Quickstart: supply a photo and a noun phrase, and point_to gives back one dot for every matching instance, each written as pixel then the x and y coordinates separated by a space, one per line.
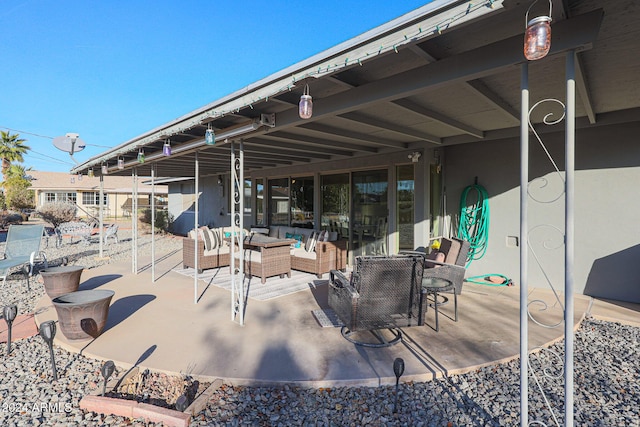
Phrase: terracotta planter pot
pixel 61 280
pixel 83 314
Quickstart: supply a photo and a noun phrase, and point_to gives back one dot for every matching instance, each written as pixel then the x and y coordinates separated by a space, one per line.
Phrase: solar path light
pixel 48 332
pixel 10 312
pixel 107 370
pixel 398 369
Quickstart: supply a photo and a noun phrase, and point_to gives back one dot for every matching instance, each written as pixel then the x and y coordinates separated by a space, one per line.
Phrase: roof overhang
pixel 446 73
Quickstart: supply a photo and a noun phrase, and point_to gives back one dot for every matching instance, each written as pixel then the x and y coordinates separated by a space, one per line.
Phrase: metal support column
pixel 100 214
pixel 524 253
pixel 196 193
pixel 569 237
pixel 153 223
pixel 134 221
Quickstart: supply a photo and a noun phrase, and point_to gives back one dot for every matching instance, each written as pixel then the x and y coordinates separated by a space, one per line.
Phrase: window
pixel 60 197
pixel 93 198
pixel 259 202
pixel 279 201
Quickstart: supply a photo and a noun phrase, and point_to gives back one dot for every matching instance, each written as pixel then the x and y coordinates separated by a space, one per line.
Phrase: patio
pixel 157 326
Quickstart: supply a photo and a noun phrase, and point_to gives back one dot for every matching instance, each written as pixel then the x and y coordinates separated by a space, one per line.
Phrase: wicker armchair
pixel 326 257
pixel 219 258
pixel 383 293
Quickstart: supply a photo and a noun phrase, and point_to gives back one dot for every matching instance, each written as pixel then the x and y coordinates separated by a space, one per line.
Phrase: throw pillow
pixel 434 256
pixel 212 236
pixel 207 240
pixel 310 245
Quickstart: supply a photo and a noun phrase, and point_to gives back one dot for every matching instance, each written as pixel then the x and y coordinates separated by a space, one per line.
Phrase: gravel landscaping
pixel 607 391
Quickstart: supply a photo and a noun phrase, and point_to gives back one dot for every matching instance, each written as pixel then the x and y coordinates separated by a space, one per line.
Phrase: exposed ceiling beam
pixel 264 146
pixel 334 131
pixel 323 142
pixel 306 149
pixel 434 115
pixel 386 125
pixel 477 87
pixel 576 33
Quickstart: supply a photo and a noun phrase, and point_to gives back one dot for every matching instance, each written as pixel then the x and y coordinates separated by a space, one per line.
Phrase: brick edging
pixel 133 409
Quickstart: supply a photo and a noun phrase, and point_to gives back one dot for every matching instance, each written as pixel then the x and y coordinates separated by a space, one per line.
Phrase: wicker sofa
pixel 326 256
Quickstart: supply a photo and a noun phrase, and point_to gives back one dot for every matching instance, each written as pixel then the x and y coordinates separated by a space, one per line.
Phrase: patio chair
pixel 111 231
pixel 383 293
pixel 448 262
pixel 22 249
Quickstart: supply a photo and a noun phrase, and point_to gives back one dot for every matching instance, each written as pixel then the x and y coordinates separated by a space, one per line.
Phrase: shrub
pixel 57 212
pixel 8 218
pixel 163 219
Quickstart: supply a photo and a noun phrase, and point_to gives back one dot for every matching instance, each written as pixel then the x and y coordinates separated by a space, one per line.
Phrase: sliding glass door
pixel 370 212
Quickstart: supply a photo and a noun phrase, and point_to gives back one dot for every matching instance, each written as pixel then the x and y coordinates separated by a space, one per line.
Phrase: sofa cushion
pixel 209 240
pixel 302 253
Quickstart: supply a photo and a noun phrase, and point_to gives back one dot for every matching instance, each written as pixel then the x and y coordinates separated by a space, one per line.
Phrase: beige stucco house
pixel 84 191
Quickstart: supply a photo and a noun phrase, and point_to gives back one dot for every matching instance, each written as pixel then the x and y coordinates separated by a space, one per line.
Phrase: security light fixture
pixel 537 37
pixel 10 312
pixel 305 107
pixel 415 156
pixel 48 332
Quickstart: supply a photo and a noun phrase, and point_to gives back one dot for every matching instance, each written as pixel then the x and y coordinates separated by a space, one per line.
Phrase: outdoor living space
pixel 158 325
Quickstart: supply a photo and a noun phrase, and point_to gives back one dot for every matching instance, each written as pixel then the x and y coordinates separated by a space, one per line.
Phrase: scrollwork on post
pixel 545 365
pixel 545 238
pixel 542 189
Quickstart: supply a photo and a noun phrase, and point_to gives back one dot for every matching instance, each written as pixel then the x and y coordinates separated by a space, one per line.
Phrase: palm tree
pixel 12 149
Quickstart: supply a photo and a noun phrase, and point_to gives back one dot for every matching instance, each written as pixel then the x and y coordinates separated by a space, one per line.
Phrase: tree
pixel 12 149
pixel 16 188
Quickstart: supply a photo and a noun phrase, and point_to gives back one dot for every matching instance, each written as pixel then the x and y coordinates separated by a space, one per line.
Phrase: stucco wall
pixel 607 206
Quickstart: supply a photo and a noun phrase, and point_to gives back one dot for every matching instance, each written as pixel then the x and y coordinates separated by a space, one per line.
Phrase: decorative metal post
pixel 237 230
pixel 565 238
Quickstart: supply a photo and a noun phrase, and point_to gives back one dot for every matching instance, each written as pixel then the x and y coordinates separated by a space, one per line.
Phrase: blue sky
pixel 112 70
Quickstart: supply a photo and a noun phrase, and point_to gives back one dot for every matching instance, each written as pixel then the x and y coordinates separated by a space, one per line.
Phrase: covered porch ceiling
pixel 447 73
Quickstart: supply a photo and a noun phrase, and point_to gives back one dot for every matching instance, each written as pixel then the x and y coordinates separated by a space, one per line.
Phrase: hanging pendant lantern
pixel 305 108
pixel 105 169
pixel 209 136
pixel 166 148
pixel 120 163
pixel 141 156
pixel 79 176
pixel 90 173
pixel 537 37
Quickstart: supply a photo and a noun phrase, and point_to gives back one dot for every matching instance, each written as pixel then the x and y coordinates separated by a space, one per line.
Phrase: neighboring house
pixel 409 114
pixel 85 193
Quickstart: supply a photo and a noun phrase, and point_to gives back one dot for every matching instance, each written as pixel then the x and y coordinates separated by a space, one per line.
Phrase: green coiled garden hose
pixel 474 221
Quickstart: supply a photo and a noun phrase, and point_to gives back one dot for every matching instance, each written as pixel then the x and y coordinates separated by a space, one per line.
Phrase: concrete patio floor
pixel 158 326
